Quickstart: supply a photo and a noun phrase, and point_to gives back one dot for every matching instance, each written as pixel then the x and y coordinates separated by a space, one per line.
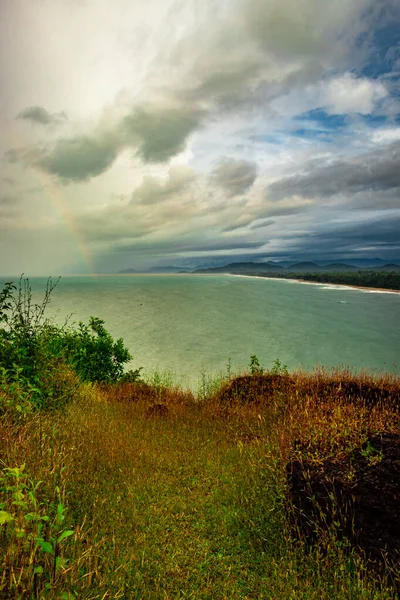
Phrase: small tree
pixel 93 353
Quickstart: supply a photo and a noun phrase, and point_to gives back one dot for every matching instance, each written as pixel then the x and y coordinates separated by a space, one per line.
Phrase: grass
pixel 190 502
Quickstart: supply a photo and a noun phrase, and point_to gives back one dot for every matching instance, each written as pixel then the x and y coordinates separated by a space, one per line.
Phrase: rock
pixel 366 492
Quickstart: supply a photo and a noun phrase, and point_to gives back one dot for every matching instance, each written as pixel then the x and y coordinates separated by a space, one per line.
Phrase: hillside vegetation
pixel 388 280
pixel 385 277
pixel 111 487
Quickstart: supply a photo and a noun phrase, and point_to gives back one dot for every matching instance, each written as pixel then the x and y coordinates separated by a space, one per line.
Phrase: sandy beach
pixel 341 286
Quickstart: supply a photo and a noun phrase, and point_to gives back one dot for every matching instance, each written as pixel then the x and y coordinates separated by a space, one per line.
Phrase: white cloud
pixel 348 94
pixel 386 135
pixel 340 94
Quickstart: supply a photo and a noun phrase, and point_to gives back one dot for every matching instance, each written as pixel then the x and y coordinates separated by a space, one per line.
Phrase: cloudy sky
pixel 136 133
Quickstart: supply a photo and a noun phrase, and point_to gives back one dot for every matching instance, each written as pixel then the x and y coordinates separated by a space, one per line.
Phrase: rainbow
pixel 69 220
pixel 57 200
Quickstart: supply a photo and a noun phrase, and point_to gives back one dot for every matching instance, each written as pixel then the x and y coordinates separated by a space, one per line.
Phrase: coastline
pixel 342 286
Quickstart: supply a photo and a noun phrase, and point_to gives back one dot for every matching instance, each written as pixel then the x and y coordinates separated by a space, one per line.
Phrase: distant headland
pixel 384 276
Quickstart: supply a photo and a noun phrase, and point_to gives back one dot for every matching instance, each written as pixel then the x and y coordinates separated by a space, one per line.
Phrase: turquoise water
pixel 189 323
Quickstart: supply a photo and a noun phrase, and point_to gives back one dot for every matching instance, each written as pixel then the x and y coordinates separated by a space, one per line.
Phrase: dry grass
pixel 186 502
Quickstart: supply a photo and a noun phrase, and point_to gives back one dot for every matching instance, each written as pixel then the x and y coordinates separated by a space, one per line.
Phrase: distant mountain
pixel 254 268
pixel 339 267
pixel 311 267
pixel 127 271
pixel 305 267
pixel 358 262
pixel 243 267
pixel 167 269
pixel 387 267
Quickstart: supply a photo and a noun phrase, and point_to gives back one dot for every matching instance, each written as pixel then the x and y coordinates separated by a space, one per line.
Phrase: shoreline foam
pixel 324 285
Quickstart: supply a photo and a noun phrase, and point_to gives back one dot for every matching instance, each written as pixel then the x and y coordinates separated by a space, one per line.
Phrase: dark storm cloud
pixel 234 176
pixel 156 135
pixel 376 171
pixel 38 114
pixel 373 237
pixel 80 158
pixel 385 230
pixel 159 133
pixel 370 200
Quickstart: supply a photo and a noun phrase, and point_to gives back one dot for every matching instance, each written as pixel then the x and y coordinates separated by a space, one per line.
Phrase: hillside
pixel 386 276
pixel 157 493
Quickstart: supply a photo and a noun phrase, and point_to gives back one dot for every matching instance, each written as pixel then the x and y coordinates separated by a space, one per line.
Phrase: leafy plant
pixel 209 384
pixel 40 361
pixel 372 455
pixel 255 366
pixel 32 375
pixel 93 353
pixel 229 368
pixel 131 376
pixel 279 368
pixel 32 536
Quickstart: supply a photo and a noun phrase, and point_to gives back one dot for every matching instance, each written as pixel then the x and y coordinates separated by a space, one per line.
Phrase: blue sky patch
pixel 374 120
pixel 319 134
pixel 386 50
pixel 325 120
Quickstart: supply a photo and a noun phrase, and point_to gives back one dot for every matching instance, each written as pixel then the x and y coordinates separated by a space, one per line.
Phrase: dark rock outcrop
pixel 361 495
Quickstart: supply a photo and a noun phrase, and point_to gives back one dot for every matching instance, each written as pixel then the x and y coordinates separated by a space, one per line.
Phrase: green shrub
pixel 93 353
pixel 41 363
pixel 131 376
pixel 32 376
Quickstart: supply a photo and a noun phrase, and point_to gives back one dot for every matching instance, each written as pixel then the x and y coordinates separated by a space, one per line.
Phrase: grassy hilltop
pixel 115 487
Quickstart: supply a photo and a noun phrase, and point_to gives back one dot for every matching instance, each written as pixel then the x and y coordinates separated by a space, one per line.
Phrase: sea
pixel 189 325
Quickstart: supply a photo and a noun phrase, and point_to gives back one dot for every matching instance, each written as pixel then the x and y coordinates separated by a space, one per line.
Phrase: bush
pixel 32 376
pixel 41 363
pixel 93 353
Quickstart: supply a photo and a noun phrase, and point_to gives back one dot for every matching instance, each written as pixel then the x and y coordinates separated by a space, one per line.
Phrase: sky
pixel 140 133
